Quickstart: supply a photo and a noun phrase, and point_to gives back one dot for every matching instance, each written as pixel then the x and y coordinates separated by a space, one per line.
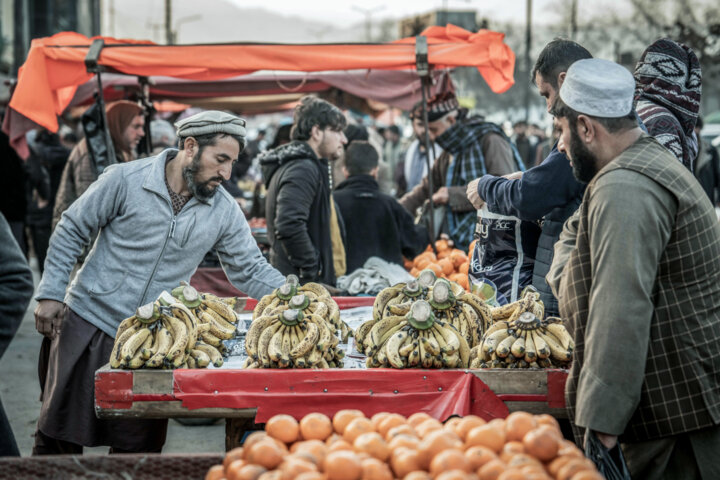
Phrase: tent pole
pixel 423 69
pixel 92 66
pixel 148 111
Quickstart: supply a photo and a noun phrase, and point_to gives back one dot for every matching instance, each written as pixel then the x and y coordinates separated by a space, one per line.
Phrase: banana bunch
pixel 529 302
pixel 464 311
pixel 215 317
pixel 416 340
pixel 525 342
pixel 311 298
pixel 292 338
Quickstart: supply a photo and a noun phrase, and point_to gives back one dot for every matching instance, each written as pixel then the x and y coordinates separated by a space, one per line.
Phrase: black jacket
pixel 297 206
pixel 376 224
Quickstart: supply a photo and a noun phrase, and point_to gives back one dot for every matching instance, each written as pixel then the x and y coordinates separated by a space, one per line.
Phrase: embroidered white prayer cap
pixel 597 87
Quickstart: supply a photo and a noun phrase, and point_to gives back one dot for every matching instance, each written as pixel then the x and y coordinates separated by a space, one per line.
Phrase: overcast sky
pixel 342 12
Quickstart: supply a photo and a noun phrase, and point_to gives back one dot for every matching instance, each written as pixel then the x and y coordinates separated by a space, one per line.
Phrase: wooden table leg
pixel 235 429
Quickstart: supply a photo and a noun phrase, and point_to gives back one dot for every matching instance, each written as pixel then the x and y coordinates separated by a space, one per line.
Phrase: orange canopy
pixel 55 65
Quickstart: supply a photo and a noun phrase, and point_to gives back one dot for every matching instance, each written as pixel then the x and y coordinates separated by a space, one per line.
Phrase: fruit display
pixel 310 298
pixel 449 262
pixel 521 338
pixel 450 304
pixel 415 340
pixel 179 330
pixel 389 446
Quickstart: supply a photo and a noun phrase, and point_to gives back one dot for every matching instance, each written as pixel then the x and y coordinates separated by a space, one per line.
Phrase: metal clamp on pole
pixel 102 159
pixel 423 68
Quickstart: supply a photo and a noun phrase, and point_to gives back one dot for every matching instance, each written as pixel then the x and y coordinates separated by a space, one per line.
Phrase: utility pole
pixel 573 18
pixel 168 23
pixel 368 12
pixel 528 46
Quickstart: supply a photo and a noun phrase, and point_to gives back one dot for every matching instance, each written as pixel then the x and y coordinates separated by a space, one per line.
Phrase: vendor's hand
pixel 514 176
pixel 609 441
pixel 473 195
pixel 441 197
pixel 48 317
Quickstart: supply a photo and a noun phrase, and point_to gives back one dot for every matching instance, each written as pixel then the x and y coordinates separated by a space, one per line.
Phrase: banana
pixel 492 341
pixel 314 357
pixel 392 349
pixel 383 298
pixel 503 348
pixel 407 347
pixel 361 333
pixel 474 325
pixel 201 358
pixel 504 312
pixel 116 359
pixel 264 341
pixel 211 339
pixel 124 325
pixel 180 336
pixel 430 344
pixel 495 327
pixel 319 308
pixel 541 346
pixel 530 351
pixel 557 351
pixel 379 329
pixel 561 333
pixel 181 312
pixel 483 311
pixel 136 361
pixel 325 340
pixel 274 347
pixel 518 347
pixel 147 348
pixel 164 342
pixel 191 362
pixel 222 309
pixel 308 342
pixel 400 309
pixel 538 309
pixel 315 288
pixel 212 353
pixel 451 361
pixel 253 334
pixel 134 343
pixel 218 325
pixel 463 351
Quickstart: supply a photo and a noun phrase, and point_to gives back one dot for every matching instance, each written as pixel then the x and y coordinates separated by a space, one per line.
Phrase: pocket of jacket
pixel 187 231
pixel 98 290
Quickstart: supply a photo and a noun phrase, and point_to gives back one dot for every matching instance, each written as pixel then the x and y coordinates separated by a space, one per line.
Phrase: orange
pixel 417 475
pixel 545 419
pixel 237 470
pixel 449 459
pixel 232 455
pixel 428 426
pixel 488 436
pixel 254 437
pixel 479 456
pixel 414 272
pixel 441 245
pixel 316 426
pixel 343 465
pixel 334 437
pixel 265 453
pixel 434 443
pixel 403 440
pixel 587 475
pixel 216 472
pixel 400 430
pixel 374 469
pixel 517 424
pixel 316 448
pixel 373 444
pixel 271 475
pixel 541 444
pixel 458 257
pixel 522 460
pixel 452 424
pixel 311 476
pixel 468 423
pixel 573 467
pixel 512 474
pixel 471 248
pixel 404 460
pixel 555 466
pixel 391 421
pixel 340 445
pixel 447 266
pixel 343 417
pixel 357 427
pixel 422 263
pixel 377 418
pixel 464 268
pixel 491 470
pixel 282 427
pixel 435 268
pixel 569 449
pixel 510 449
pixel 453 475
pixel 461 279
pixel 417 418
pixel 292 467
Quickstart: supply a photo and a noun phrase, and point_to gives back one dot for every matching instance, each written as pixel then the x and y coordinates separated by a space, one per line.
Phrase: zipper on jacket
pixel 170 234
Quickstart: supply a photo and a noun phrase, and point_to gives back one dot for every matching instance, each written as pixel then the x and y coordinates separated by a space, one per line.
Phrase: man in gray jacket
pixel 157 217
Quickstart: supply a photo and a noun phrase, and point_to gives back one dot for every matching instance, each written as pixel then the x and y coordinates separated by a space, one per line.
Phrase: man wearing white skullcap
pixel 157 218
pixel 637 276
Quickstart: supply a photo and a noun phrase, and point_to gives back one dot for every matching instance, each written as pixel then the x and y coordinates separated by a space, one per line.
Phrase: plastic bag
pixel 610 463
pixel 504 253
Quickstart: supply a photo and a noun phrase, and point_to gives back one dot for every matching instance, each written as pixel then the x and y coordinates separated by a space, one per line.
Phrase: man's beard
pixel 583 161
pixel 200 190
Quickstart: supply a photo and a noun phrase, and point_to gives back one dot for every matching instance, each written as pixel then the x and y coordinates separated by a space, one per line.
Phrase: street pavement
pixel 20 391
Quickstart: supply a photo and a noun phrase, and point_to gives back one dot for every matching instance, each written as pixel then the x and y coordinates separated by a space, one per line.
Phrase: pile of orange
pixel 389 446
pixel 451 263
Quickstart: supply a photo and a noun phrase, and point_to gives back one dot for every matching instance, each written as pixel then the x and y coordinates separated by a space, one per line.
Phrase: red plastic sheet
pixel 299 392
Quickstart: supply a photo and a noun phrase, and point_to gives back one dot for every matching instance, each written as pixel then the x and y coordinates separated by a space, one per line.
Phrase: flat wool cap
pixel 600 88
pixel 212 121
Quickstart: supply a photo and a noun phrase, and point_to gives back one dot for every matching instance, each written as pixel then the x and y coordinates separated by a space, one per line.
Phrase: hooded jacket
pixel 297 207
pixel 667 97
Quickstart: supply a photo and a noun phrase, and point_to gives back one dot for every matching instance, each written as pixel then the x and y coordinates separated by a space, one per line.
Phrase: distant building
pixel 412 26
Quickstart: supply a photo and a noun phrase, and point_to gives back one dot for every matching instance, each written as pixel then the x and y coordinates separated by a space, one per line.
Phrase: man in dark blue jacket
pixel 548 191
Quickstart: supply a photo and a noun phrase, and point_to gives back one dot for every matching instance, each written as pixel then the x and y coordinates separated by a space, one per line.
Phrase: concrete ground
pixel 20 390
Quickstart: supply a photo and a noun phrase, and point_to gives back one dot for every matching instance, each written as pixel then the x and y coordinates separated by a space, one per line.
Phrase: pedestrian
pixel 668 83
pixel 415 166
pixel 157 217
pixel 523 143
pixel 304 229
pixel 637 276
pixel 472 147
pixel 376 224
pixel 549 192
pixel 16 288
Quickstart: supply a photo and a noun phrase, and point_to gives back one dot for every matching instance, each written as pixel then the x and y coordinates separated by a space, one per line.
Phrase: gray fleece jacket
pixel 142 248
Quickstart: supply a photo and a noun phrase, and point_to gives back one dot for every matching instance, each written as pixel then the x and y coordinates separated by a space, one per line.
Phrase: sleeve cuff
pixel 602 407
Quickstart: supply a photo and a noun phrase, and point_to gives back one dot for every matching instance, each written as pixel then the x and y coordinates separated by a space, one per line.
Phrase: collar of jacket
pixel 366 182
pixel 155 179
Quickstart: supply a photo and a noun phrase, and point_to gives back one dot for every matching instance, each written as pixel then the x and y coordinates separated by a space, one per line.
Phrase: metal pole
pixel 528 45
pixel 423 69
pixel 108 139
pixel 168 22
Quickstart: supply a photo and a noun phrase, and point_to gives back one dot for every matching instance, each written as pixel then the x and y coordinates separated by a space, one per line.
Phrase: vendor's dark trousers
pixel 8 447
pixel 45 445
